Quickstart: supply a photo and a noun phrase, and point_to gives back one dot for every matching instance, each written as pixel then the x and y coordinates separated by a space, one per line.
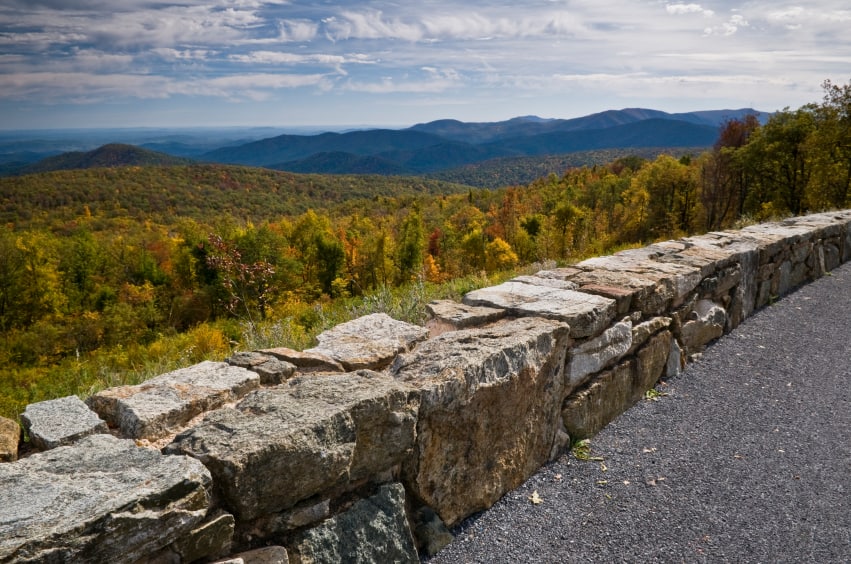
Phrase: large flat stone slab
pixel 283 445
pixel 679 278
pixel 305 361
pixel 164 404
pixel 489 411
pixel 100 500
pixel 61 421
pixel 630 291
pixel 587 314
pixel 371 341
pixel 447 315
pixel 374 529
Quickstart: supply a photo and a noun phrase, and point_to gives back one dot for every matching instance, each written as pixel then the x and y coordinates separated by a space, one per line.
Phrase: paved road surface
pixel 747 459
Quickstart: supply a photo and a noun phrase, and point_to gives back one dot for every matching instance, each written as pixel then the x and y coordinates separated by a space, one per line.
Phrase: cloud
pixel 297 30
pixel 285 58
pixel 436 50
pixel 79 87
pixel 679 9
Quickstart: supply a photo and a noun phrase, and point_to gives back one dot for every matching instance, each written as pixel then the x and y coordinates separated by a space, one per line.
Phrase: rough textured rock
pixel 489 411
pixel 563 273
pixel 587 314
pixel 447 315
pixel 60 422
pixel 10 437
pixel 643 331
pixel 100 500
pixel 164 404
pixel 306 361
pixel 679 278
pixel 594 355
pixel 708 325
pixel 283 445
pixel 272 371
pixel 616 390
pixel 430 532
pixel 623 296
pixel 651 363
pixel 211 538
pixel 676 360
pixel 265 555
pixel 548 282
pixel 595 406
pixel 371 341
pixel 744 254
pixel 632 292
pixel 375 529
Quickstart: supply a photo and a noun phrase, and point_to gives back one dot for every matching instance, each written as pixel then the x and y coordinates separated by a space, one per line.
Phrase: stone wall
pixel 368 446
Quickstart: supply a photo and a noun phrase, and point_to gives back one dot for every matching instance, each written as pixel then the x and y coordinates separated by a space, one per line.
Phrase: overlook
pixel 366 446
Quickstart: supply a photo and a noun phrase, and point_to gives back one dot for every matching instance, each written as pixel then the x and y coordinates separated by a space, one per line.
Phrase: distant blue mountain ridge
pixel 425 148
pixel 445 144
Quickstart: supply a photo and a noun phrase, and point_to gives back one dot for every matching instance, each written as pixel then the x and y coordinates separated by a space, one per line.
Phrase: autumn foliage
pixel 191 258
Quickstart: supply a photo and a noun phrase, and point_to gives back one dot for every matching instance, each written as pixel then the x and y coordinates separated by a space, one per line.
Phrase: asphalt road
pixel 746 459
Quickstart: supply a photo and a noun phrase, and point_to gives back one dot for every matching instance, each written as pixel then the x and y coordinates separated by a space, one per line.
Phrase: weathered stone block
pixel 164 404
pixel 430 532
pixel 62 421
pixel 643 331
pixel 211 538
pixel 651 363
pixel 272 371
pixel 371 341
pixel 721 282
pixel 831 257
pixel 707 325
pixel 489 412
pixel 595 406
pixel 545 281
pixel 594 355
pixel 678 278
pixel 283 445
pixel 10 437
pixel 587 314
pixel 447 315
pixel 375 529
pixel 632 292
pixel 623 296
pixel 100 500
pixel 306 361
pixel 676 360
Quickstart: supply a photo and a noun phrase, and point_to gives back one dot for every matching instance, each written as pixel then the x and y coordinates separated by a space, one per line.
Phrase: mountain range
pixel 446 144
pixel 425 148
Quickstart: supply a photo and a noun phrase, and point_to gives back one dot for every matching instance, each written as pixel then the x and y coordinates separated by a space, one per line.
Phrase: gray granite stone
pixel 62 421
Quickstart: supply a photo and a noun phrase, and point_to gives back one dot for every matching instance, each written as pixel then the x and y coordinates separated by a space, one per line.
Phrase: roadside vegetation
pixel 109 276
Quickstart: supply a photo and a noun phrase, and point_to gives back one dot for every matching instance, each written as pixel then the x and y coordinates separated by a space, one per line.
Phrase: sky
pixel 188 63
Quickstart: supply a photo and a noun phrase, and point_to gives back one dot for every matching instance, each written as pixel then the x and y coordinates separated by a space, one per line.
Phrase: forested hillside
pixel 195 191
pixel 108 275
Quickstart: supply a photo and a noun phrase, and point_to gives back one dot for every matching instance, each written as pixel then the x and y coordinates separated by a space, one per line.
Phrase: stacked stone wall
pixel 368 446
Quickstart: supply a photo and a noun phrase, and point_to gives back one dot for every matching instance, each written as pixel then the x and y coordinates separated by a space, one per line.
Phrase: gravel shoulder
pixel 747 458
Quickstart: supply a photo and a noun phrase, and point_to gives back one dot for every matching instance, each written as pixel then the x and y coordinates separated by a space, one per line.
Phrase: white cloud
pixel 170 54
pixel 297 30
pixel 679 9
pixel 370 25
